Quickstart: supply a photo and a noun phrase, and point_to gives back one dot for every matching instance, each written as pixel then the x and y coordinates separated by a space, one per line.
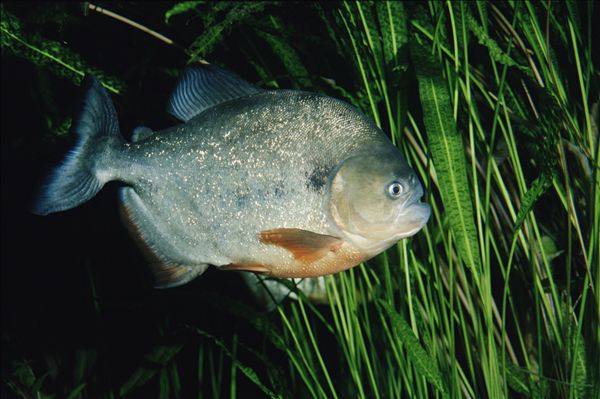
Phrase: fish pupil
pixel 395 189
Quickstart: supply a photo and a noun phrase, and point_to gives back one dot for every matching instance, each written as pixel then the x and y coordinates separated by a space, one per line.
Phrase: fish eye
pixel 395 189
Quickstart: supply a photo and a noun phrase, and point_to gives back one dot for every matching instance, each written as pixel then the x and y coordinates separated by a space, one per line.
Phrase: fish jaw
pixel 413 219
pixel 406 224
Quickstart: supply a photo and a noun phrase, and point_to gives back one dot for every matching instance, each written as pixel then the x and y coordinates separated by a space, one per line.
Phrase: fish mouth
pixel 414 214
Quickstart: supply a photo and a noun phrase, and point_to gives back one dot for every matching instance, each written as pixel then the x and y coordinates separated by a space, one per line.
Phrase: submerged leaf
pixel 287 54
pixel 517 378
pixel 448 153
pixel 494 49
pixel 76 392
pixel 159 357
pixel 51 54
pixel 538 188
pixel 424 363
pixel 579 364
pixel 181 8
pixel 239 12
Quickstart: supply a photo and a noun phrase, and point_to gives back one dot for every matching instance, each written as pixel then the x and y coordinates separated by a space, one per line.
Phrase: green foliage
pixel 424 363
pixel 494 50
pixel 281 47
pixel 181 8
pixel 537 189
pixel 49 53
pixel 235 14
pixel 159 360
pixel 447 150
pixel 247 371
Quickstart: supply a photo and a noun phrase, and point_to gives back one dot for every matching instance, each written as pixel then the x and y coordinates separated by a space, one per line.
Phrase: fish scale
pixel 286 183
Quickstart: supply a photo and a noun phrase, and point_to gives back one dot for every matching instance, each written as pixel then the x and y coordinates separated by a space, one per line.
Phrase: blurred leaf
pixel 239 12
pixel 181 8
pixel 85 359
pixel 24 382
pixel 156 360
pixel 423 362
pixel 280 45
pixel 517 378
pixel 50 54
pixel 539 186
pixel 549 247
pixel 75 393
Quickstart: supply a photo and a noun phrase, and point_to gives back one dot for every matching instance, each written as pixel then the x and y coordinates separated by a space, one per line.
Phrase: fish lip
pixel 414 209
pixel 417 214
pixel 417 194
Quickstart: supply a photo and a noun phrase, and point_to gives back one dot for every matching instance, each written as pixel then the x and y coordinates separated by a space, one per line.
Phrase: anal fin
pixel 167 275
pixel 168 266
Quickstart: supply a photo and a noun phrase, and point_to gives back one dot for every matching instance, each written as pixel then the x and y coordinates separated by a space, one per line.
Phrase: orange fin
pixel 246 267
pixel 305 245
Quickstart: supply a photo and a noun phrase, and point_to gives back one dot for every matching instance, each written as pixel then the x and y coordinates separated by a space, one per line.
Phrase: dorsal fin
pixel 203 86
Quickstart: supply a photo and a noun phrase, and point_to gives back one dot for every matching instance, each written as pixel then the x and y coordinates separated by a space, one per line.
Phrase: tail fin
pixel 78 179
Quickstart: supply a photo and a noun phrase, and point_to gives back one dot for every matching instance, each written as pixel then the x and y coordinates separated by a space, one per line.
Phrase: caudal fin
pixel 79 177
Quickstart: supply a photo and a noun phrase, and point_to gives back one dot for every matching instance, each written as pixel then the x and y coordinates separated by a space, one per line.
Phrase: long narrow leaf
pixel 448 153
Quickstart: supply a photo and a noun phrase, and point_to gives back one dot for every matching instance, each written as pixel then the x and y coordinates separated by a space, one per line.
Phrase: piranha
pixel 285 183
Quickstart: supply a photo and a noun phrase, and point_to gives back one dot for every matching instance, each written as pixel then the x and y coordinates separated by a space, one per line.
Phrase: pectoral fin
pixel 304 245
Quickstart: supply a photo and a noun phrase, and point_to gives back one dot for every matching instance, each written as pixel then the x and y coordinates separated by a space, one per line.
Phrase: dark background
pixel 74 281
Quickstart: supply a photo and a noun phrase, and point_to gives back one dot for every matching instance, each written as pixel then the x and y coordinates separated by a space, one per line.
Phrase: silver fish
pixel 281 182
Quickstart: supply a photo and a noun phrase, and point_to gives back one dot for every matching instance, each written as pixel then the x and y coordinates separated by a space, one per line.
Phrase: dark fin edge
pixel 76 181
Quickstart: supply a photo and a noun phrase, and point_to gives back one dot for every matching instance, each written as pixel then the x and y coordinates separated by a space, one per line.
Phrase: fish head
pixel 375 200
